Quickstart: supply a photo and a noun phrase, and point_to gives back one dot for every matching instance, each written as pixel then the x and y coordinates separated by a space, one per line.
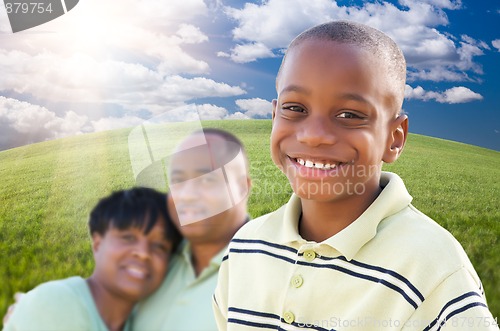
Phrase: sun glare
pixel 92 32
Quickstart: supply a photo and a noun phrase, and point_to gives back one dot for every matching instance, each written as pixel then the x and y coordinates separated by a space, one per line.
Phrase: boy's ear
pixel 397 138
pixel 96 242
pixel 275 102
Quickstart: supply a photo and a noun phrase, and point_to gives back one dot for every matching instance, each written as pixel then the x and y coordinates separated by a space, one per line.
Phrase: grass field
pixel 48 189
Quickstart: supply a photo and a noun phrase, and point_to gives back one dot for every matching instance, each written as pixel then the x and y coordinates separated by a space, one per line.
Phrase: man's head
pixel 132 238
pixel 209 185
pixel 337 116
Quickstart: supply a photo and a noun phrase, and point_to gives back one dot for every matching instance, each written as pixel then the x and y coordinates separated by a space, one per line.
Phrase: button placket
pixel 309 255
pixel 297 281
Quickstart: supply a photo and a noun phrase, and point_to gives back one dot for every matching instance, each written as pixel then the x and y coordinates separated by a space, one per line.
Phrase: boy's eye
pixel 294 108
pixel 348 114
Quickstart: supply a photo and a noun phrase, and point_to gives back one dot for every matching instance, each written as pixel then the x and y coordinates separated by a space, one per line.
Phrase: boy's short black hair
pixel 372 40
pixel 137 207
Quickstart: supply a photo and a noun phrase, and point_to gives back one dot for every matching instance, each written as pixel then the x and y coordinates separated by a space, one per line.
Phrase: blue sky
pixel 109 64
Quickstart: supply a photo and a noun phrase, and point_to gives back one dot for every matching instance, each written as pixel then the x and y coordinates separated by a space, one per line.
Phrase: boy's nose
pixel 316 131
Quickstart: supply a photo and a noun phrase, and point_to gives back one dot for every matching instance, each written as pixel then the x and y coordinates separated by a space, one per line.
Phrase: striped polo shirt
pixel 393 268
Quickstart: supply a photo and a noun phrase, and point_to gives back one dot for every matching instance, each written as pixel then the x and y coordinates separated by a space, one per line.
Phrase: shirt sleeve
pixel 50 306
pixel 219 301
pixel 457 303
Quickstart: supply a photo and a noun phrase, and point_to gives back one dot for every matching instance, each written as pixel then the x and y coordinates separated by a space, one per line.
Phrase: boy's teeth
pixel 317 165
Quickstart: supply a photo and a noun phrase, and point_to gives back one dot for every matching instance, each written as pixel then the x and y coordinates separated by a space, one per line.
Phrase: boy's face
pixel 335 121
pixel 130 263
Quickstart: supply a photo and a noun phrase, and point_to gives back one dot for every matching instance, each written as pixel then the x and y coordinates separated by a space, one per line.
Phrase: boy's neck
pixel 114 311
pixel 321 220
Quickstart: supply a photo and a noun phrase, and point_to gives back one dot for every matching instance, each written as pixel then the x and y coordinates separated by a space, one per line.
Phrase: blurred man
pixel 209 189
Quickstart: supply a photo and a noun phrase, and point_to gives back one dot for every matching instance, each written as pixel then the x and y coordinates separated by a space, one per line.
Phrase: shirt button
pixel 297 281
pixel 289 317
pixel 309 255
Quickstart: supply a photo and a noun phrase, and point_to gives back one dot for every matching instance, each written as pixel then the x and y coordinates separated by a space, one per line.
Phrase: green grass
pixel 48 189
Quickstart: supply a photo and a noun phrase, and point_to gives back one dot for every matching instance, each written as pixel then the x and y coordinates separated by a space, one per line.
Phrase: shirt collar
pixel 393 198
pixel 185 252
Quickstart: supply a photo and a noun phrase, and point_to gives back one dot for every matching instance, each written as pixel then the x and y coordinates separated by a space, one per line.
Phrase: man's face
pixel 333 121
pixel 130 263
pixel 206 185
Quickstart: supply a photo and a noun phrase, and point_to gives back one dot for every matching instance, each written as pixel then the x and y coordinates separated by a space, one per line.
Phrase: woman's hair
pixel 138 207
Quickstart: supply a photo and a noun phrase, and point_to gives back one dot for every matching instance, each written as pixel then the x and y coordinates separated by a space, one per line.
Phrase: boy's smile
pixel 333 121
pixel 316 167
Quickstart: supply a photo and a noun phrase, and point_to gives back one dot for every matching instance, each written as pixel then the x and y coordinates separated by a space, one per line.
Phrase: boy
pixel 348 251
pixel 132 237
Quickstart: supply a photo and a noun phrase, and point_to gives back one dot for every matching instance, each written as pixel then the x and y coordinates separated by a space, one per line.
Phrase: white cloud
pixel 112 123
pixel 131 56
pixel 127 50
pixel 448 4
pixel 180 113
pixel 69 125
pixel 250 52
pixel 4 21
pixel 178 88
pixel 28 123
pixel 271 22
pixel 496 44
pixel 191 34
pixel 161 15
pixel 413 26
pixel 238 116
pixel 76 78
pixel 211 112
pixel 438 74
pixel 146 27
pixel 255 108
pixel 81 78
pixel 25 117
pixel 472 41
pixel 415 93
pixel 458 94
pixel 223 54
pixel 467 52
